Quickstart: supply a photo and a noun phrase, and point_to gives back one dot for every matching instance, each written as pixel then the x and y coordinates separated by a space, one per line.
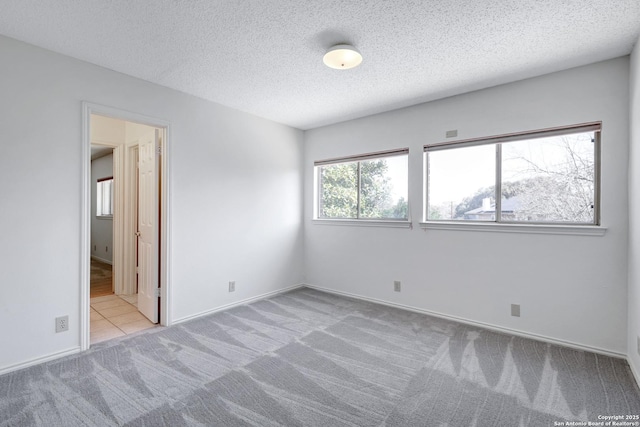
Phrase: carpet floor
pixel 308 358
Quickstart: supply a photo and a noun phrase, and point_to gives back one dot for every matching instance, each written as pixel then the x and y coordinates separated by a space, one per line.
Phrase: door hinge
pixel 157 292
pixel 159 150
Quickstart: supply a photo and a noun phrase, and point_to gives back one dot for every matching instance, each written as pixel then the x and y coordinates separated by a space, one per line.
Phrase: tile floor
pixel 113 316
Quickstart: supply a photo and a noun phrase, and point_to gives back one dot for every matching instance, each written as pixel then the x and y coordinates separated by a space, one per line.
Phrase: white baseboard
pixel 75 350
pixel 106 261
pixel 235 304
pixel 483 325
pixel 537 337
pixel 39 360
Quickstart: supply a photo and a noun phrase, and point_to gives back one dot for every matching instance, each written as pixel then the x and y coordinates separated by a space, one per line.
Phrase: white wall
pixel 101 228
pixel 136 131
pixel 235 184
pixel 571 288
pixel 107 130
pixel 634 212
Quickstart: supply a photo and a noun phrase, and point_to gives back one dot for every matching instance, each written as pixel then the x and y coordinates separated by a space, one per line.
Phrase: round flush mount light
pixel 342 57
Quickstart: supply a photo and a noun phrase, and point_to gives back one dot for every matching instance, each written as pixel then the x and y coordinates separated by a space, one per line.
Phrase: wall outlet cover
pixel 232 286
pixel 397 285
pixel 62 323
pixel 515 310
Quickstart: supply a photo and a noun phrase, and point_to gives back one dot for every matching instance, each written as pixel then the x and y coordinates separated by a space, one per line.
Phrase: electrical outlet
pixel 232 286
pixel 106 248
pixel 94 248
pixel 515 310
pixel 397 285
pixel 62 323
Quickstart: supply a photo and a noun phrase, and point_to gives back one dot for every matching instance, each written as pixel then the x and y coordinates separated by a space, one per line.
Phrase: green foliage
pixel 339 195
pixel 339 198
pixel 375 189
pixel 399 211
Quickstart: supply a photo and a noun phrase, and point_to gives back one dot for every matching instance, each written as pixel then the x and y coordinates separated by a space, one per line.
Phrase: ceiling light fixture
pixel 342 57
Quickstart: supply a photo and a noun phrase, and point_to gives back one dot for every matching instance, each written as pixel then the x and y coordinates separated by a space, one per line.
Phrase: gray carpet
pixel 307 358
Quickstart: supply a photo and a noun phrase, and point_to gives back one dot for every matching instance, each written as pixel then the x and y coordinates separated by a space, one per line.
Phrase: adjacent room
pixel 120 297
pixel 320 213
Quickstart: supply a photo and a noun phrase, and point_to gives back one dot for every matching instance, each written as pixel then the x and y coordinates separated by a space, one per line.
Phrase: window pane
pixel 549 179
pixel 383 188
pixel 99 198
pixel 107 198
pixel 104 198
pixel 462 183
pixel 338 190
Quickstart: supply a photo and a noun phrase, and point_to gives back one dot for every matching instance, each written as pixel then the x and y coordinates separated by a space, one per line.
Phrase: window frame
pixel 317 166
pixel 519 226
pixel 99 213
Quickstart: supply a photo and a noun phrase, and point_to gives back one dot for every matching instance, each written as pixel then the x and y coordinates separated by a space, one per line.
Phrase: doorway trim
pixel 85 217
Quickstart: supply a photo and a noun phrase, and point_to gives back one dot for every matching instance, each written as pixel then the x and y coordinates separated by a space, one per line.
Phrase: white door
pixel 148 227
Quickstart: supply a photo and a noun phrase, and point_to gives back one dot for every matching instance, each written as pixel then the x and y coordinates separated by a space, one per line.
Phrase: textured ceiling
pixel 265 56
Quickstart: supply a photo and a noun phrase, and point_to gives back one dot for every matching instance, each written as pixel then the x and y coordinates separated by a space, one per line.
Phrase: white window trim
pixel 373 222
pixel 519 227
pixel 363 157
pixel 364 222
pixel 575 230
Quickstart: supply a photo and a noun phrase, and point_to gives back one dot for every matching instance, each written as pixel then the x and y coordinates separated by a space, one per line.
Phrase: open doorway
pixel 102 208
pixel 130 201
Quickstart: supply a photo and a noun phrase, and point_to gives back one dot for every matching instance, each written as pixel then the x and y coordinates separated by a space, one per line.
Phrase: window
pixel 104 198
pixel 543 177
pixel 367 187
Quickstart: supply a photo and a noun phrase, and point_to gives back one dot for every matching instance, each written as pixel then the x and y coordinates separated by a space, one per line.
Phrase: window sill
pixel 110 217
pixel 364 223
pixel 575 230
